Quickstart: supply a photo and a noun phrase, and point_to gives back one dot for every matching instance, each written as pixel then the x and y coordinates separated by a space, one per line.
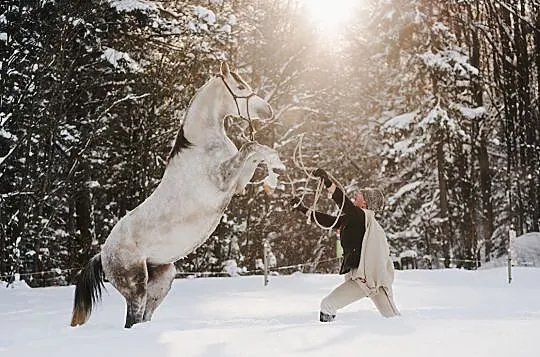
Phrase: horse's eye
pixel 241 87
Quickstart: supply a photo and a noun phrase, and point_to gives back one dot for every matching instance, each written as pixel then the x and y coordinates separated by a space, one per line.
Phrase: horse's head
pixel 241 100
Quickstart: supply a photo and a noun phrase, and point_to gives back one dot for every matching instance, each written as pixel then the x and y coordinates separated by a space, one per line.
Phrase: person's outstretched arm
pixel 323 219
pixel 337 195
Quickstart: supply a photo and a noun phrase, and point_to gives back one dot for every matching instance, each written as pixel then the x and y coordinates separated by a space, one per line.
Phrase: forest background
pixel 436 103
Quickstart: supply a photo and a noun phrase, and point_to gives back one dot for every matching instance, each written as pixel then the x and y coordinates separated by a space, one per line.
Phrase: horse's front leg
pixel 238 171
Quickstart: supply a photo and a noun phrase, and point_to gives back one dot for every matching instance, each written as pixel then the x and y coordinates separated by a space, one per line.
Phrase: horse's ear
pixel 224 69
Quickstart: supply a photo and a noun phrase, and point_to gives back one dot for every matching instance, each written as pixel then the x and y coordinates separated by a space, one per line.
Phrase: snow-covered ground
pixel 444 313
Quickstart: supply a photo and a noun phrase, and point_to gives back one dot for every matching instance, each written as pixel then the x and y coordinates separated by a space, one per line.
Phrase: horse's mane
pixel 180 143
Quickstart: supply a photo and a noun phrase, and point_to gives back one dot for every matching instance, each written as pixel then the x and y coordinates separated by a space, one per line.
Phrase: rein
pixel 246 97
pixel 318 191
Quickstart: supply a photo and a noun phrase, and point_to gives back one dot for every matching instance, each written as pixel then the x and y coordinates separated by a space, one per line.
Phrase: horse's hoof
pixel 130 322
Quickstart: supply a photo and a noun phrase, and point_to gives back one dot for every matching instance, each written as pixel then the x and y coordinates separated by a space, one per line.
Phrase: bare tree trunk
pixel 83 220
pixel 504 73
pixel 523 102
pixel 443 205
pixel 250 194
pixel 536 50
pixel 480 152
pixel 487 204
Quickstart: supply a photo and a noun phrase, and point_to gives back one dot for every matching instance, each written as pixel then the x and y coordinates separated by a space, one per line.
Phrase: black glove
pixel 296 206
pixel 294 202
pixel 323 175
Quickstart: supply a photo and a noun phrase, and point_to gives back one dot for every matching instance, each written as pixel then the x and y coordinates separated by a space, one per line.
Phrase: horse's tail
pixel 87 290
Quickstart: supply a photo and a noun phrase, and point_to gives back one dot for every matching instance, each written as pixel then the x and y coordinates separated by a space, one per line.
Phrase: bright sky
pixel 331 15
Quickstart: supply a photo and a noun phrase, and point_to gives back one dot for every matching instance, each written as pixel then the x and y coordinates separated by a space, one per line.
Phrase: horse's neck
pixel 204 120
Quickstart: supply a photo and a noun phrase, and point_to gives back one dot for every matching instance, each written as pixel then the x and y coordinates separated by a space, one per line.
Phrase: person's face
pixel 360 201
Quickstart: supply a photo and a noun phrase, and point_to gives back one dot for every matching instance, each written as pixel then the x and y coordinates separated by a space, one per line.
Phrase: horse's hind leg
pixel 160 278
pixel 131 281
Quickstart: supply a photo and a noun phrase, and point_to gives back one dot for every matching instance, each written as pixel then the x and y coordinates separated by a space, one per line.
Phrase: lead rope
pixel 318 192
pixel 250 122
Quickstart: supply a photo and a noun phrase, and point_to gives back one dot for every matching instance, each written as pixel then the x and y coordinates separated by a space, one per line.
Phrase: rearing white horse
pixel 204 171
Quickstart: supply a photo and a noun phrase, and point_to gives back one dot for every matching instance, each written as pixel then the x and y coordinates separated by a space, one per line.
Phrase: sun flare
pixel 330 16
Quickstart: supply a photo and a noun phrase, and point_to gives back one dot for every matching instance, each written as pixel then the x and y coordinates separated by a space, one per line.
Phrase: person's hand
pixel 324 176
pixel 294 202
pixel 297 205
pixel 320 173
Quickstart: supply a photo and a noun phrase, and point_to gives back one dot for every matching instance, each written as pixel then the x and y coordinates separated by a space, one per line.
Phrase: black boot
pixel 326 318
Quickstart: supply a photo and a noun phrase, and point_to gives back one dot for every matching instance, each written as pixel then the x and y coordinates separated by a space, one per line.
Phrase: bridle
pixel 246 97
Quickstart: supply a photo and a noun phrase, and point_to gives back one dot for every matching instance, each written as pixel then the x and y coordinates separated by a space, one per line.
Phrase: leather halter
pixel 246 97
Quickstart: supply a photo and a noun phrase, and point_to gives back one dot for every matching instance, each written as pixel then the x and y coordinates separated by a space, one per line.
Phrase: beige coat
pixel 376 269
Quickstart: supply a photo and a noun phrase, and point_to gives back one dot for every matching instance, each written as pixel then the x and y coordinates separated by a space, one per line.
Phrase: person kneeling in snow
pixel 368 269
